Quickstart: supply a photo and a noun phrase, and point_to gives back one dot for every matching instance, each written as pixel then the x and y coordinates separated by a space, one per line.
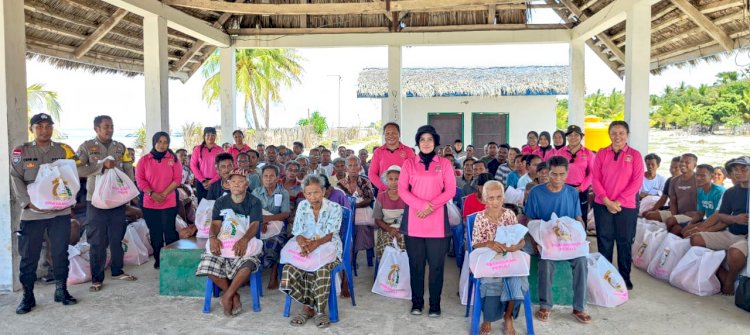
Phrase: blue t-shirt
pixel 543 202
pixel 708 203
pixel 512 179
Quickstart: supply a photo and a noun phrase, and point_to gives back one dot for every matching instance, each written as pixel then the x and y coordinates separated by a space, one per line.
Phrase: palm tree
pixel 41 100
pixel 260 75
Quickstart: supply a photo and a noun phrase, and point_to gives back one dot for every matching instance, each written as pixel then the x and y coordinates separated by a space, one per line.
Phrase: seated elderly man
pixel 230 273
pixel 727 229
pixel 316 223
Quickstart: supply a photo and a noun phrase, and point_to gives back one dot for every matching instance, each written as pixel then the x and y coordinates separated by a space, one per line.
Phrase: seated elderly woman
pixel 388 209
pixel 275 201
pixel 359 187
pixel 497 301
pixel 317 222
pixel 230 273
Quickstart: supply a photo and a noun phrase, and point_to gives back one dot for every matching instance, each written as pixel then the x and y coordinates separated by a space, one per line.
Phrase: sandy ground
pixel 655 307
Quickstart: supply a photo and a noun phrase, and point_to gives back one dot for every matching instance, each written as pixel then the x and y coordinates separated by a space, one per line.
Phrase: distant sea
pixel 75 136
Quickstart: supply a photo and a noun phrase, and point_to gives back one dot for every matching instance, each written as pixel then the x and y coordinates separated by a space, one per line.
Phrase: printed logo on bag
pixel 124 245
pixel 393 275
pixel 620 291
pixel 564 239
pixel 60 189
pixel 501 262
pixel 641 249
pixel 561 232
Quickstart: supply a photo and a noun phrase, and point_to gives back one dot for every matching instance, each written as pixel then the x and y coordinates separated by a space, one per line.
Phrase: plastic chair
pixel 476 314
pixel 255 291
pixel 371 251
pixel 458 237
pixel 347 219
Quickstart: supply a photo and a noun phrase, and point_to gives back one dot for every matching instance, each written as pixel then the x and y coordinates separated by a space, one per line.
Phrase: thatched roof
pixel 56 29
pixel 480 82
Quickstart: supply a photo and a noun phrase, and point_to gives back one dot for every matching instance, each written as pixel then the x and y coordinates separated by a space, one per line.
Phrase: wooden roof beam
pixel 704 22
pixel 176 20
pixel 607 17
pixel 198 45
pixel 99 33
pixel 616 51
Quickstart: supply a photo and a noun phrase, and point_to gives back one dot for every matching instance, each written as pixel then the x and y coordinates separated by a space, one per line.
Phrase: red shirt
pixel 472 204
pixel 234 151
pixel 618 177
pixel 581 169
pixel 383 158
pixel 151 174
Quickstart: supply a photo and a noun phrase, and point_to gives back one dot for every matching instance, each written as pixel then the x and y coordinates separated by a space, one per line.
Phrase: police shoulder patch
pixel 16 155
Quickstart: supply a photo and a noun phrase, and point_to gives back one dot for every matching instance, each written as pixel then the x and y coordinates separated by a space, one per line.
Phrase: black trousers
pixel 616 228
pixel 30 239
pixel 105 228
pixel 432 252
pixel 161 229
pixel 583 199
pixel 200 191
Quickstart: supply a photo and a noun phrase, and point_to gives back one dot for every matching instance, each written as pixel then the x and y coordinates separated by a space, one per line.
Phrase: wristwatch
pixel 150 193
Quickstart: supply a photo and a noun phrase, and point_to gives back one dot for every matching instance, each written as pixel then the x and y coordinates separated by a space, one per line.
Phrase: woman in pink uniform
pixel 393 152
pixel 617 178
pixel 238 146
pixel 580 170
pixel 202 162
pixel 426 184
pixel 545 148
pixel 532 143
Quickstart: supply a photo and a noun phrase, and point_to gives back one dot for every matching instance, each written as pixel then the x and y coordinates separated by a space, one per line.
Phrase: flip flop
pixel 300 319
pixel 95 287
pixel 542 315
pixel 125 277
pixel 581 317
pixel 322 321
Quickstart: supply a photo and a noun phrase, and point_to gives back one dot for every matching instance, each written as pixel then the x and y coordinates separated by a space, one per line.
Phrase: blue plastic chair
pixel 476 314
pixel 347 219
pixel 458 236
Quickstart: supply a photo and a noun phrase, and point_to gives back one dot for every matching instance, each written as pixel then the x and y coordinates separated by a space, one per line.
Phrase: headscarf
pixel 549 143
pixel 565 141
pixel 160 155
pixel 427 157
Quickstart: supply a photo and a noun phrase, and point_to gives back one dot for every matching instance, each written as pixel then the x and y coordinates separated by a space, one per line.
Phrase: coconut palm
pixel 40 100
pixel 260 75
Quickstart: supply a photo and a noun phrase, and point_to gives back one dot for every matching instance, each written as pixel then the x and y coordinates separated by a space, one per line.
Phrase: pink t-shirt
pixel 234 151
pixel 382 159
pixel 203 162
pixel 580 171
pixel 549 153
pixel 151 174
pixel 418 186
pixel 618 177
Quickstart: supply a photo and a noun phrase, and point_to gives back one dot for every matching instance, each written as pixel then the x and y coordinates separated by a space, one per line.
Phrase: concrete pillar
pixel 156 73
pixel 228 75
pixel 12 132
pixel 577 83
pixel 637 71
pixel 395 93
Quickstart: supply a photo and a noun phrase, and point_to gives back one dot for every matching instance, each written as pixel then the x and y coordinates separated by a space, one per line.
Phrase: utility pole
pixel 339 96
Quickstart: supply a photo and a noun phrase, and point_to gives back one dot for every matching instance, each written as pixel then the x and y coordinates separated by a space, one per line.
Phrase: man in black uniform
pixel 25 162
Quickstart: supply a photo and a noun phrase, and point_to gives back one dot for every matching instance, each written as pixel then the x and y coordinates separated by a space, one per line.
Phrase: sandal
pixel 125 277
pixel 542 315
pixel 95 287
pixel 582 317
pixel 322 321
pixel 300 319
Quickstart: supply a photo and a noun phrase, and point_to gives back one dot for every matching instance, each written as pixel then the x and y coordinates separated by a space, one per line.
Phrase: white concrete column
pixel 12 131
pixel 637 71
pixel 577 83
pixel 395 92
pixel 156 73
pixel 228 82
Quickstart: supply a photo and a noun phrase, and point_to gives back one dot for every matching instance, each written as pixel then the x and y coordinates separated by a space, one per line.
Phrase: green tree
pixel 261 73
pixel 41 100
pixel 192 134
pixel 726 77
pixel 140 138
pixel 562 113
pixel 317 121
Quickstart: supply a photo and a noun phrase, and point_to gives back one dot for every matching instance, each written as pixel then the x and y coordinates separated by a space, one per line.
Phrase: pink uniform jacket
pixel 527 150
pixel 418 187
pixel 234 151
pixel 551 152
pixel 581 170
pixel 151 174
pixel 382 159
pixel 203 162
pixel 618 177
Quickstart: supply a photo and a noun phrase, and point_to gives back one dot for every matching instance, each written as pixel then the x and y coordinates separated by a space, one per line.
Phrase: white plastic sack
pixel 393 279
pixel 463 282
pixel 363 215
pixel 510 235
pixel 112 189
pixel 486 263
pixel 669 253
pixel 590 220
pixel 56 185
pixel 644 252
pixel 142 228
pixel 696 271
pixel 514 196
pixel 79 270
pixel 274 228
pixel 233 228
pixel 559 238
pixel 179 223
pixel 203 217
pixel 604 284
pixel 135 250
pixel 454 215
pixel 291 254
pixel 647 203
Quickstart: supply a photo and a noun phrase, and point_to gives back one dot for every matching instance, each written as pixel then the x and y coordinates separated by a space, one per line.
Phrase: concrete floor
pixel 655 307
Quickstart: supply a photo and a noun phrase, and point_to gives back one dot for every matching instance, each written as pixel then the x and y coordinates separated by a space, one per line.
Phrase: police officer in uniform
pixel 104 227
pixel 25 161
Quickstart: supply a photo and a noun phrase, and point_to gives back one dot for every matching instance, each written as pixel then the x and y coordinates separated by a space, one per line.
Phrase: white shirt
pixel 653 186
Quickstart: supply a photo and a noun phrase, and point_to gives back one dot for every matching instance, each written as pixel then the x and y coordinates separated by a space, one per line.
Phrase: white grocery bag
pixel 696 271
pixel 135 250
pixel 203 215
pixel 79 268
pixel 322 255
pixel 142 229
pixel 463 282
pixel 274 228
pixel 514 196
pixel 510 235
pixel 113 188
pixel 559 238
pixel 56 185
pixel 647 203
pixel 604 284
pixel 667 255
pixel 454 215
pixel 486 263
pixel 644 252
pixel 393 279
pixel 233 228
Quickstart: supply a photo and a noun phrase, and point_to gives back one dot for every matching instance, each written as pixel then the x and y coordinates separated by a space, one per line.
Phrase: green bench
pixel 562 285
pixel 177 271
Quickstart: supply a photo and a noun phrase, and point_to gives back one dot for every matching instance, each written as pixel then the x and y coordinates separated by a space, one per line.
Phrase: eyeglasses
pixel 572 157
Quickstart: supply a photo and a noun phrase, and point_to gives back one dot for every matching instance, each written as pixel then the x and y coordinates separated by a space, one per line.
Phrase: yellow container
pixel 597 133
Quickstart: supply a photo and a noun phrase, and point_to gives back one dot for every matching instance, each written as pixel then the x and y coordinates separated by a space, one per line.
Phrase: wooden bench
pixel 177 272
